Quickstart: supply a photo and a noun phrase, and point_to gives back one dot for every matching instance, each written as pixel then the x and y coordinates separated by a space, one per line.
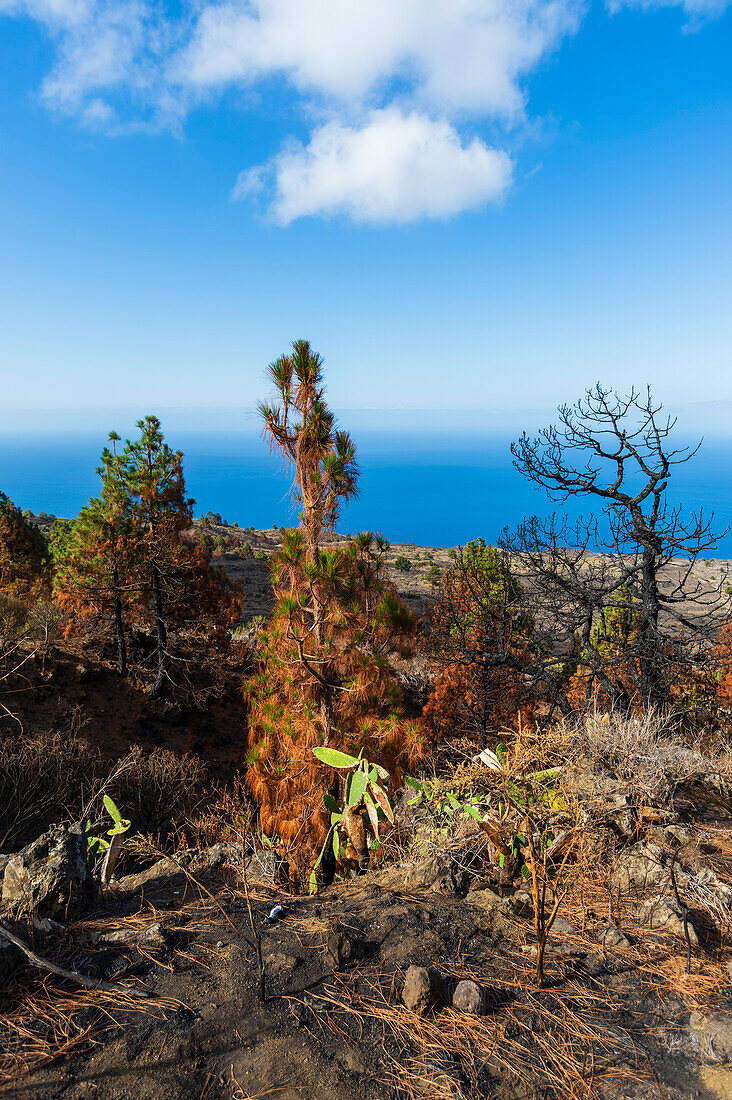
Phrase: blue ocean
pixel 438 488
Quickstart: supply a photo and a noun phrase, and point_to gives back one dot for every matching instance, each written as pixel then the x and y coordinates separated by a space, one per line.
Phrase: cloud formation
pixel 394 168
pixel 449 56
pixel 698 12
pixel 389 86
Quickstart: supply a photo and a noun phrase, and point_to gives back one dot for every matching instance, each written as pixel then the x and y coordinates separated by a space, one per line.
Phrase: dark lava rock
pixel 346 946
pixel 11 957
pixel 422 989
pixel 469 997
pixel 51 877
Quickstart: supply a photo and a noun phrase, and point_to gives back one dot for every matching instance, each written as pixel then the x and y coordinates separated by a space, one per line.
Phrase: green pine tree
pixel 152 475
pixel 96 557
pixel 24 563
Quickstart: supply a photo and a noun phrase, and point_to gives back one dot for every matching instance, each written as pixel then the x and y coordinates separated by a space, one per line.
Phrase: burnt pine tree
pixel 635 557
pixel 160 511
pixel 479 638
pixel 24 559
pixel 323 458
pixel 323 663
pixel 96 557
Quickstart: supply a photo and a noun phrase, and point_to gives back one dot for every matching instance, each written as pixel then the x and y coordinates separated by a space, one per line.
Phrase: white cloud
pixel 453 55
pixel 111 62
pixel 385 83
pixel 698 12
pixel 395 168
pixel 57 13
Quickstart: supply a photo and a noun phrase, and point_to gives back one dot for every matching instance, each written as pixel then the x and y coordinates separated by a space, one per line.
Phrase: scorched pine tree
pixel 324 675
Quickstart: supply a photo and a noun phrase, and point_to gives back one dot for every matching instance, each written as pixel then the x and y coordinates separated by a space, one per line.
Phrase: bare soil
pixel 608 1025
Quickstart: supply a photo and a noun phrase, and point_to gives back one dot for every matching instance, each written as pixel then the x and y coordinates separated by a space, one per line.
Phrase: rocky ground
pixel 325 1015
pixel 360 991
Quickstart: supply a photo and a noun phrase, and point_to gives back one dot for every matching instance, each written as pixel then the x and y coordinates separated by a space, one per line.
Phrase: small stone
pixel 346 946
pixel 469 997
pixel 620 817
pixel 713 1034
pixel 610 936
pixel 595 966
pixel 485 898
pixel 660 913
pixel 417 993
pixel 523 903
pixel 679 835
pixel 562 927
pixel 152 936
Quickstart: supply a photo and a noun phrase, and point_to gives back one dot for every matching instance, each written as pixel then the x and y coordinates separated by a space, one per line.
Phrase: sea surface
pixel 437 489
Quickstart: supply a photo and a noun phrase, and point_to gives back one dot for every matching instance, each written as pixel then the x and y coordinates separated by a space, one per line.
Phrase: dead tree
pixel 617 594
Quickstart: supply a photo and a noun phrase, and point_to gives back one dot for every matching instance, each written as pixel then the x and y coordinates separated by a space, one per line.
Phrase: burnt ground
pixel 72 686
pixel 610 1023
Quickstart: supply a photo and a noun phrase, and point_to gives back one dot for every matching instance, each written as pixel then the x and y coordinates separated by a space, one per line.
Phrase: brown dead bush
pixel 43 780
pixel 161 792
pixel 227 818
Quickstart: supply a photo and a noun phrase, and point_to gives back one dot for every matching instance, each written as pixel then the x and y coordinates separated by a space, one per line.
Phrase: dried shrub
pixel 226 819
pixel 46 621
pixel 13 619
pixel 642 753
pixel 161 792
pixel 43 780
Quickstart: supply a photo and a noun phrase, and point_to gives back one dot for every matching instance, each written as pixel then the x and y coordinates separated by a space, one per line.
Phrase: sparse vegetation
pixel 530 775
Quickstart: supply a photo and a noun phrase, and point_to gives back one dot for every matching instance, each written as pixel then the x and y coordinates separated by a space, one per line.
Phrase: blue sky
pixel 462 203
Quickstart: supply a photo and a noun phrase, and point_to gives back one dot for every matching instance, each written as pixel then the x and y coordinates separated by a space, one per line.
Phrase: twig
pixel 255 932
pixel 71 975
pixel 683 907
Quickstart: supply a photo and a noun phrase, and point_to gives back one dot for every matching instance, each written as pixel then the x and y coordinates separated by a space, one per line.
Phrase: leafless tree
pixel 633 563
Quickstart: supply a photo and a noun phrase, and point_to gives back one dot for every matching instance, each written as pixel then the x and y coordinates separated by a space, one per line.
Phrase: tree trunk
pixel 648 640
pixel 119 628
pixel 162 633
pixel 327 718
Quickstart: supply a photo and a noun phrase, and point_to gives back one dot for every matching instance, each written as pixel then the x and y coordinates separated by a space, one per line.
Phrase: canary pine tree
pixel 152 477
pixel 24 560
pixel 96 559
pixel 324 674
pixel 479 632
pixel 130 557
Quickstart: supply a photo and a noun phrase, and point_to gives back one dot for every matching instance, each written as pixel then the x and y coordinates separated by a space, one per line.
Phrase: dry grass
pixel 43 780
pixel 647 757
pixel 563 1043
pixel 41 1022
